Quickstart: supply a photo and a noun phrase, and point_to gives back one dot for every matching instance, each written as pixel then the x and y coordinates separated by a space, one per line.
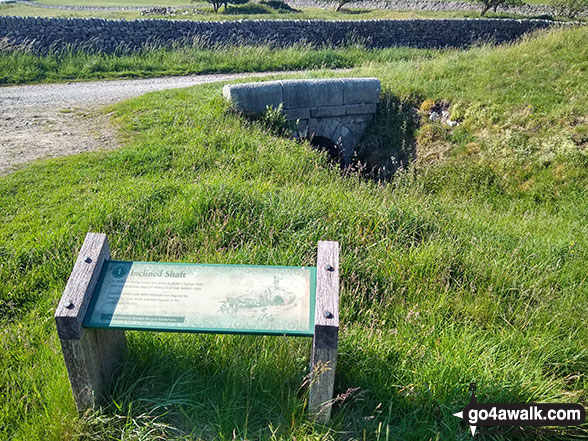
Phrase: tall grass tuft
pixel 21 65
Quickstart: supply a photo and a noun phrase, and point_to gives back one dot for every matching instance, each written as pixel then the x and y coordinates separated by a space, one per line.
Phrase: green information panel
pixel 181 297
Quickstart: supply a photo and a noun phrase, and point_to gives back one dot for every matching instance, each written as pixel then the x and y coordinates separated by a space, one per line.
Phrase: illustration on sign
pixel 264 298
pixel 204 298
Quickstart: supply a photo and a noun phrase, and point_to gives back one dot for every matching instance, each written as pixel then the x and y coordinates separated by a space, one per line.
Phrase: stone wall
pixel 109 35
pixel 337 109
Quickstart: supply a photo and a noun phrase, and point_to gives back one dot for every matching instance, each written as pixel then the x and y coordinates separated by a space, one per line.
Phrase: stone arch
pixel 337 109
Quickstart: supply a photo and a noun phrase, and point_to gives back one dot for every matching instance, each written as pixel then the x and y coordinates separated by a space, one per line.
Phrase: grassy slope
pixel 522 108
pixel 461 272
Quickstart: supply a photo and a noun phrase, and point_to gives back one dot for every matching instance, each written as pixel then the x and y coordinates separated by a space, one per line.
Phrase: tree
pixel 494 4
pixel 568 8
pixel 216 4
pixel 340 3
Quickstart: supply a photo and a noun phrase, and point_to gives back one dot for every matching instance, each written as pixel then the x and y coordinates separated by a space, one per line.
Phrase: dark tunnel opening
pixel 326 145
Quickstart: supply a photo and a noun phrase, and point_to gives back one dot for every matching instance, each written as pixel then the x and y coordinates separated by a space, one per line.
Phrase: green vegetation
pixel 486 5
pixel 20 66
pixel 134 3
pixel 263 7
pixel 569 8
pixel 216 4
pixel 340 3
pixel 469 266
pixel 161 2
pixel 207 13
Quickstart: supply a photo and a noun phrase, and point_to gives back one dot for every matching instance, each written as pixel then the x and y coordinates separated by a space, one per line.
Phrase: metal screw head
pixel 328 314
pixel 88 260
pixel 329 268
pixel 70 305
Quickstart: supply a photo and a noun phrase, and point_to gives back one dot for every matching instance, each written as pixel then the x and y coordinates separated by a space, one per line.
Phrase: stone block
pixel 312 93
pixel 313 126
pixel 361 118
pixel 254 97
pixel 347 143
pixel 361 109
pixel 301 131
pixel 343 132
pixel 361 90
pixel 331 129
pixel 358 129
pixel 318 112
pixel 295 114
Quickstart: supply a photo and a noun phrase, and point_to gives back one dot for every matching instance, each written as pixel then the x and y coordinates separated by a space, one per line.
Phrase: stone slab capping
pixel 338 109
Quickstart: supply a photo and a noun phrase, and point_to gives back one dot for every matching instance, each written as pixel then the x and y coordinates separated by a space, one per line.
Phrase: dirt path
pixel 49 120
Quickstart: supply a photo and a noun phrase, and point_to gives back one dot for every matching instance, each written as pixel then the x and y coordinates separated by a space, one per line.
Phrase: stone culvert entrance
pixel 331 112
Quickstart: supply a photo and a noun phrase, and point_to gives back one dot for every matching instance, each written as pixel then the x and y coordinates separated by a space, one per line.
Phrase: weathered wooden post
pixel 91 356
pixel 102 298
pixel 323 359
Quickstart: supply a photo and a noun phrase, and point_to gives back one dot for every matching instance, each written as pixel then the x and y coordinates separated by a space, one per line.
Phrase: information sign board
pixel 242 299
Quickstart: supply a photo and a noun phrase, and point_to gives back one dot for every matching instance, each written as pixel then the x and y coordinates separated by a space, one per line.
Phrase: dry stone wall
pixel 42 34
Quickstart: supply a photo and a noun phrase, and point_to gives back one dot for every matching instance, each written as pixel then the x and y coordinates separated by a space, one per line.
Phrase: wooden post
pixel 323 360
pixel 92 356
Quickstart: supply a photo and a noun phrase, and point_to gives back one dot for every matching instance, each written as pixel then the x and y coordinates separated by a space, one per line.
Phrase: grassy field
pixel 20 67
pixel 470 265
pixel 159 2
pixel 134 3
pixel 242 12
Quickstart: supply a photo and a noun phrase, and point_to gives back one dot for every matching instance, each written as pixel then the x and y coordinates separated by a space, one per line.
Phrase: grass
pixel 523 130
pixel 110 3
pixel 207 13
pixel 469 266
pixel 21 66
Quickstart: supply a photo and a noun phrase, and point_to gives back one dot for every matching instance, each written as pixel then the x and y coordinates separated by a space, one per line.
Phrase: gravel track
pixel 50 120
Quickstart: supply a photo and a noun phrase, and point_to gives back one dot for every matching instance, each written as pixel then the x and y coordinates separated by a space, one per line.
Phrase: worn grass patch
pixel 451 273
